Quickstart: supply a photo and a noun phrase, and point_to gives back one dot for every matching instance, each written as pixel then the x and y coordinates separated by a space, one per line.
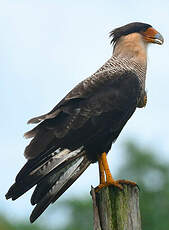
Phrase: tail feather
pixel 25 182
pixel 36 162
pixel 53 173
pixel 59 183
pixel 83 166
pixel 44 185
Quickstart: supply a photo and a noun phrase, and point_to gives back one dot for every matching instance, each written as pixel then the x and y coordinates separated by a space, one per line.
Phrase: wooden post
pixel 116 209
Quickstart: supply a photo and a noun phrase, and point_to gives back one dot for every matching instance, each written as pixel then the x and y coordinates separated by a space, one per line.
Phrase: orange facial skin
pixel 153 36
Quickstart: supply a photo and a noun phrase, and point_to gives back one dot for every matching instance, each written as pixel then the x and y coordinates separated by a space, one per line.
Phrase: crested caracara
pixel 81 128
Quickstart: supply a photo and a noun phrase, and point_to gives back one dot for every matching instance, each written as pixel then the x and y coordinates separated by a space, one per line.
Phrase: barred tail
pixel 53 174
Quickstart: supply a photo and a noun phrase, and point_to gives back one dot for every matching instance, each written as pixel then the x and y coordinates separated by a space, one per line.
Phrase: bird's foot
pixel 110 183
pixel 117 184
pixel 128 182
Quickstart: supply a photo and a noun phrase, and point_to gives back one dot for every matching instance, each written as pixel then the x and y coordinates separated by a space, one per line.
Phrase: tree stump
pixel 116 209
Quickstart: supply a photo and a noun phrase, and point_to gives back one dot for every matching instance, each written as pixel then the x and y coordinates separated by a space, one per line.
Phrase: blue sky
pixel 46 48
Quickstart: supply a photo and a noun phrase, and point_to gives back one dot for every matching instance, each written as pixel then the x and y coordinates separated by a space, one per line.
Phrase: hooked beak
pixel 158 39
pixel 153 36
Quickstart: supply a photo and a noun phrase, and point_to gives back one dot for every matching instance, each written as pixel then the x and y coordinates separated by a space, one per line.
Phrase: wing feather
pixel 103 92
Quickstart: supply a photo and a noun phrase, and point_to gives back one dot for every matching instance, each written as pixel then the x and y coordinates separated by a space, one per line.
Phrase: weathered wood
pixel 116 209
pixel 96 218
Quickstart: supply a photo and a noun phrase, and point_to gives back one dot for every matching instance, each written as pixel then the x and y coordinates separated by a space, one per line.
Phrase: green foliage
pixel 5 224
pixel 141 166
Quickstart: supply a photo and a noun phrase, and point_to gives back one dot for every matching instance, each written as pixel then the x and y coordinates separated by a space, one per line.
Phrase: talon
pixel 99 187
pixel 132 183
pixel 113 183
pixel 117 184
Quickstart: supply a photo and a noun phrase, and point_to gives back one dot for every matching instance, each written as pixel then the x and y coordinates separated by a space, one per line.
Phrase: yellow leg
pixel 109 177
pixel 101 172
pixel 104 170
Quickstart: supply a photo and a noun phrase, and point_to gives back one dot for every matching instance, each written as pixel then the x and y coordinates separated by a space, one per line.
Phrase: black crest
pixel 128 29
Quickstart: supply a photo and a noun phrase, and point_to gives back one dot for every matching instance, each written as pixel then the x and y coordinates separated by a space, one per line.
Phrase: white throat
pixel 132 47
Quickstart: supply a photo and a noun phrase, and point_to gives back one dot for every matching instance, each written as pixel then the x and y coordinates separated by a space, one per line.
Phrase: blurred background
pixel 46 48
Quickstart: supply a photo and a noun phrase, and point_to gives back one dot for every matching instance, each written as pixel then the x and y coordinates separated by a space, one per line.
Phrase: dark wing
pixel 103 92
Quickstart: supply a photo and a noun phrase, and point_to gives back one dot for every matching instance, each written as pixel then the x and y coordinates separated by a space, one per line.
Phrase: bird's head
pixel 147 32
pixel 131 41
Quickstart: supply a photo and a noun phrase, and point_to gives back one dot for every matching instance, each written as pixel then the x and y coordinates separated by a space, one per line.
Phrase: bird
pixel 82 127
